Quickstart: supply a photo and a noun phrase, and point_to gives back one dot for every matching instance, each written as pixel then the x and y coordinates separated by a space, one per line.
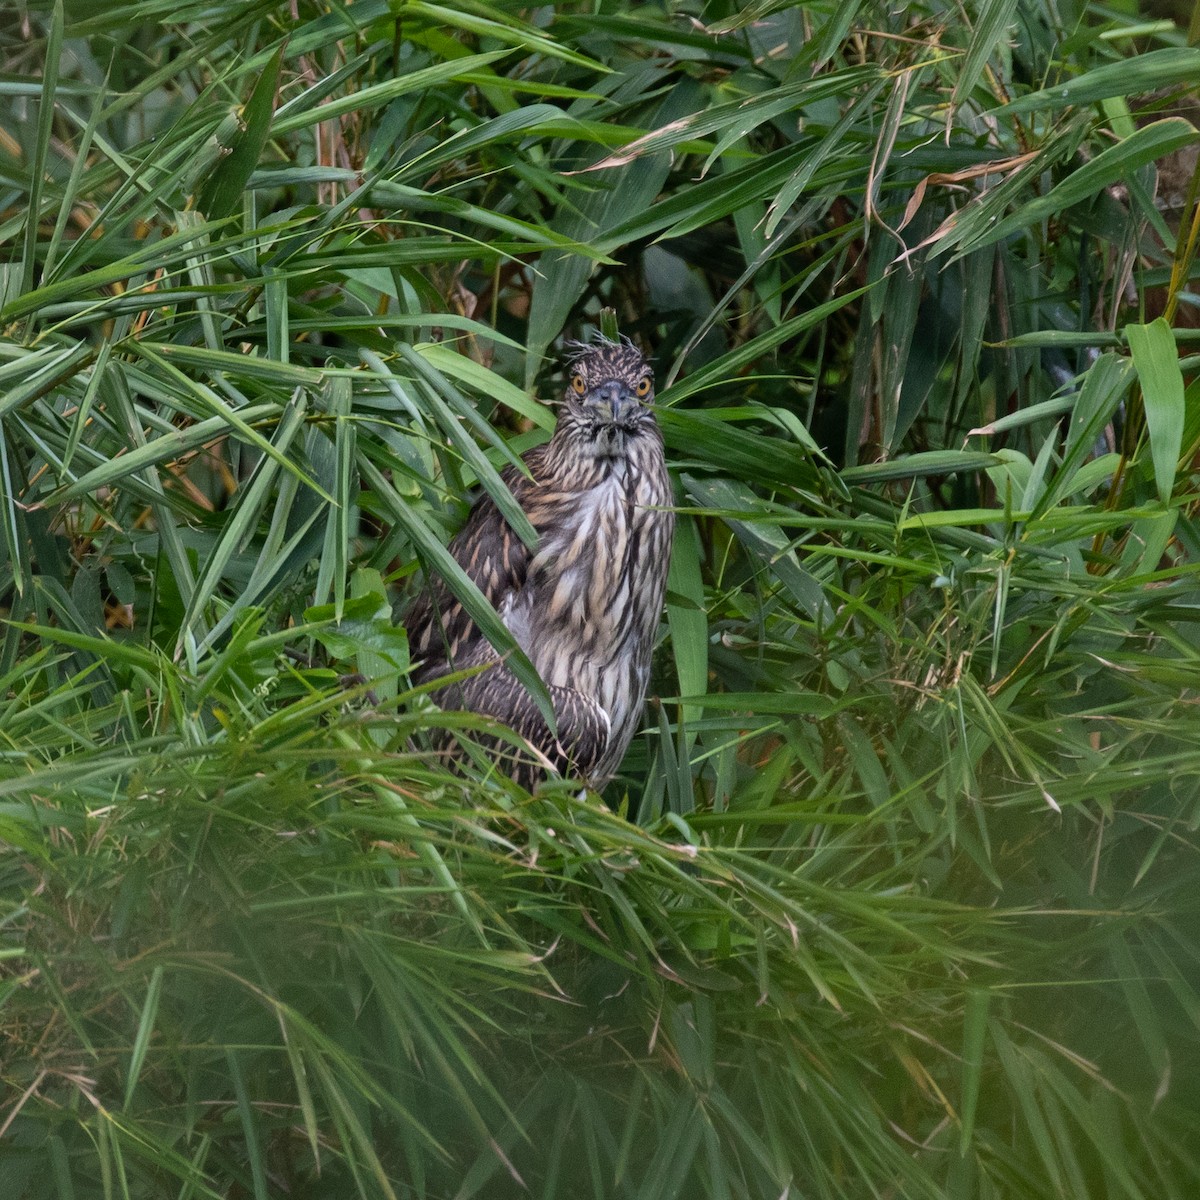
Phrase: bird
pixel 585 604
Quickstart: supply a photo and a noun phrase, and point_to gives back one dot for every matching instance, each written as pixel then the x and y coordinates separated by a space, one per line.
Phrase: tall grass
pixel 895 896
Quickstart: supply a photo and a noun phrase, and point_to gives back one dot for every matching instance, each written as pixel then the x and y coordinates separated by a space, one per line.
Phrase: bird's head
pixel 610 394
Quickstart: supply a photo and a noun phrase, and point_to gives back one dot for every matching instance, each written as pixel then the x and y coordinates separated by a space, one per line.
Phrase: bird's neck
pixel 575 461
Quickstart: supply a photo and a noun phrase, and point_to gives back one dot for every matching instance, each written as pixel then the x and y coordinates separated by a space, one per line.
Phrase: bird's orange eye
pixel 577 385
pixel 643 388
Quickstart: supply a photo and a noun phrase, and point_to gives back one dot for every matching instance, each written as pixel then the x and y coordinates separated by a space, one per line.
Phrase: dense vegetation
pixel 896 896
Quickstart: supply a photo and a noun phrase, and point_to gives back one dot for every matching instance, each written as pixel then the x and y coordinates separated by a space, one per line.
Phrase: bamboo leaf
pixel 223 189
pixel 161 450
pixel 243 520
pixel 37 166
pixel 995 17
pixel 304 111
pixel 168 251
pixel 1157 363
pixel 250 1134
pixel 974 1032
pixel 918 466
pixel 1118 162
pixel 145 1030
pixel 688 622
pixel 1129 77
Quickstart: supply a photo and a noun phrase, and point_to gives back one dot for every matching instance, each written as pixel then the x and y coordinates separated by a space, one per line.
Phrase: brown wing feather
pixel 445 638
pixel 583 726
pixel 440 632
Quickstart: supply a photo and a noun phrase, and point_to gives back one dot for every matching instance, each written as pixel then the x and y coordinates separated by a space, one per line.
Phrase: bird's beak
pixel 613 401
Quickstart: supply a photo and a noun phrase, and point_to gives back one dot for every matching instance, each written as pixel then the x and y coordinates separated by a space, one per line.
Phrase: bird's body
pixel 585 606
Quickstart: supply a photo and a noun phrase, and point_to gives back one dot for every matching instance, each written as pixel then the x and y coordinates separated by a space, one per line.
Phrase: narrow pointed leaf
pixel 1157 363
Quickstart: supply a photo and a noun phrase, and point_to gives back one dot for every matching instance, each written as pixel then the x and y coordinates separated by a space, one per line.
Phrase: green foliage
pixel 895 897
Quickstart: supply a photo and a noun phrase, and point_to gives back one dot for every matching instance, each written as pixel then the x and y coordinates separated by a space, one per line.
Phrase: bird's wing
pixel 583 726
pixel 440 632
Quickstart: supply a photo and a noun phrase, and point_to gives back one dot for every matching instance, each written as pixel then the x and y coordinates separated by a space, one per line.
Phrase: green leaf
pixel 1118 162
pixel 727 365
pixel 239 528
pixel 145 1030
pixel 442 397
pixel 1157 364
pixel 364 631
pixel 975 1022
pixel 169 251
pixel 688 622
pixel 992 25
pixel 45 124
pixel 223 190
pixel 918 466
pixel 1134 76
pixel 305 109
pixel 163 449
